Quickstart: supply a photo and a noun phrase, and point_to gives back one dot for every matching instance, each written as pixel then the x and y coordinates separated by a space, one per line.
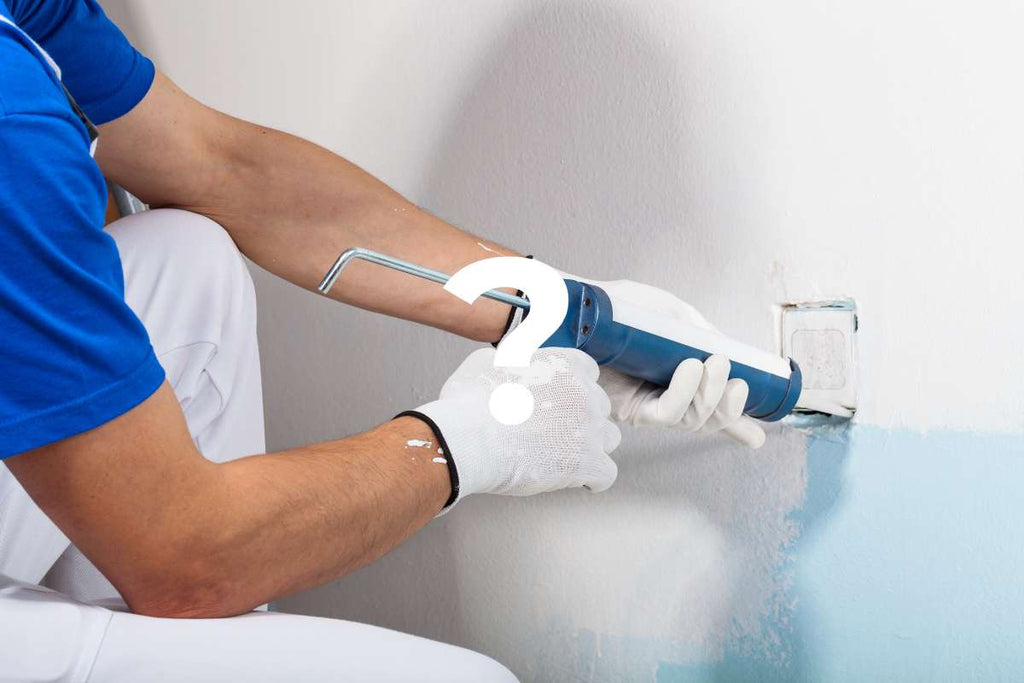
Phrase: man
pixel 129 385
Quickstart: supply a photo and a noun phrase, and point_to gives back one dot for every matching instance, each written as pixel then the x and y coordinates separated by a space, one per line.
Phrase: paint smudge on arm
pixel 490 249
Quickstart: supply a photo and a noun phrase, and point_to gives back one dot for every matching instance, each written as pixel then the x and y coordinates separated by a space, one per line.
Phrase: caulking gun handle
pixel 590 327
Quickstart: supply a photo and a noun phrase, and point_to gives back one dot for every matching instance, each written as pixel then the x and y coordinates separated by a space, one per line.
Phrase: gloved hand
pixel 700 397
pixel 564 443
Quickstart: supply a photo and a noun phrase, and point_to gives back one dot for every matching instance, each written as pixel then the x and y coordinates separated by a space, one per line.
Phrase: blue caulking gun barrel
pixel 620 334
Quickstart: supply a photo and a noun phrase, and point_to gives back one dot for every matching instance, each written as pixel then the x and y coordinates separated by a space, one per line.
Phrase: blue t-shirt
pixel 72 354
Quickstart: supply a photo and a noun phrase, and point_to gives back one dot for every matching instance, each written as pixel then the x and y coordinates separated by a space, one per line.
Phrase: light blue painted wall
pixel 908 565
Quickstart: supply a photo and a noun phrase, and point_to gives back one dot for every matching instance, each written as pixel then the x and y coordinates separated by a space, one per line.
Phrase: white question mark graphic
pixel 512 404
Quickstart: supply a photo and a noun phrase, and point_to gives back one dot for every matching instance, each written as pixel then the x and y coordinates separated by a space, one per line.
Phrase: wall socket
pixel 821 336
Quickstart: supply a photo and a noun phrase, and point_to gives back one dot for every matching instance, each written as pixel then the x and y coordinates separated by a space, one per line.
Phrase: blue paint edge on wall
pixel 907 566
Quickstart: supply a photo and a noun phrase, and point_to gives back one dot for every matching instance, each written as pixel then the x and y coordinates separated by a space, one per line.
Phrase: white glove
pixel 564 443
pixel 699 398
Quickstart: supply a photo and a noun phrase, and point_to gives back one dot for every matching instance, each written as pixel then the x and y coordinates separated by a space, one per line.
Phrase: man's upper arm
pixel 154 139
pixel 164 149
pixel 125 493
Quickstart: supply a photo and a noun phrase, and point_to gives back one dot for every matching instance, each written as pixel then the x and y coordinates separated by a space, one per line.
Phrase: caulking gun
pixel 623 335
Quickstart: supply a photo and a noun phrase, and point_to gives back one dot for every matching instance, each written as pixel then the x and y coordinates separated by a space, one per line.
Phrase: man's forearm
pixel 179 535
pixel 292 207
pixel 299 518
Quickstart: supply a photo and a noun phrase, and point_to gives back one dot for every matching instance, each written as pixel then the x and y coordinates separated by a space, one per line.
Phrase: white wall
pixel 740 154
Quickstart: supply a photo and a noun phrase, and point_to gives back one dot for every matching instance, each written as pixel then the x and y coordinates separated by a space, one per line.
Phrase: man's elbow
pixel 181 588
pixel 183 569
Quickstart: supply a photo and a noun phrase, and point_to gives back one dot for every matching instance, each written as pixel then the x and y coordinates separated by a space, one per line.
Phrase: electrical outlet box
pixel 821 336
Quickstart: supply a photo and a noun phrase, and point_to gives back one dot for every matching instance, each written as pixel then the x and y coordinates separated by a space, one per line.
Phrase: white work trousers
pixel 186 281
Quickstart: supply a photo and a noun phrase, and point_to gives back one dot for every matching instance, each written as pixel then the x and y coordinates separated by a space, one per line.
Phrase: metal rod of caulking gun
pixel 393 263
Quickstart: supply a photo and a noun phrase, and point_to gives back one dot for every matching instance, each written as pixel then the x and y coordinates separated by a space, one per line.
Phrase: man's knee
pixel 181 264
pixel 178 243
